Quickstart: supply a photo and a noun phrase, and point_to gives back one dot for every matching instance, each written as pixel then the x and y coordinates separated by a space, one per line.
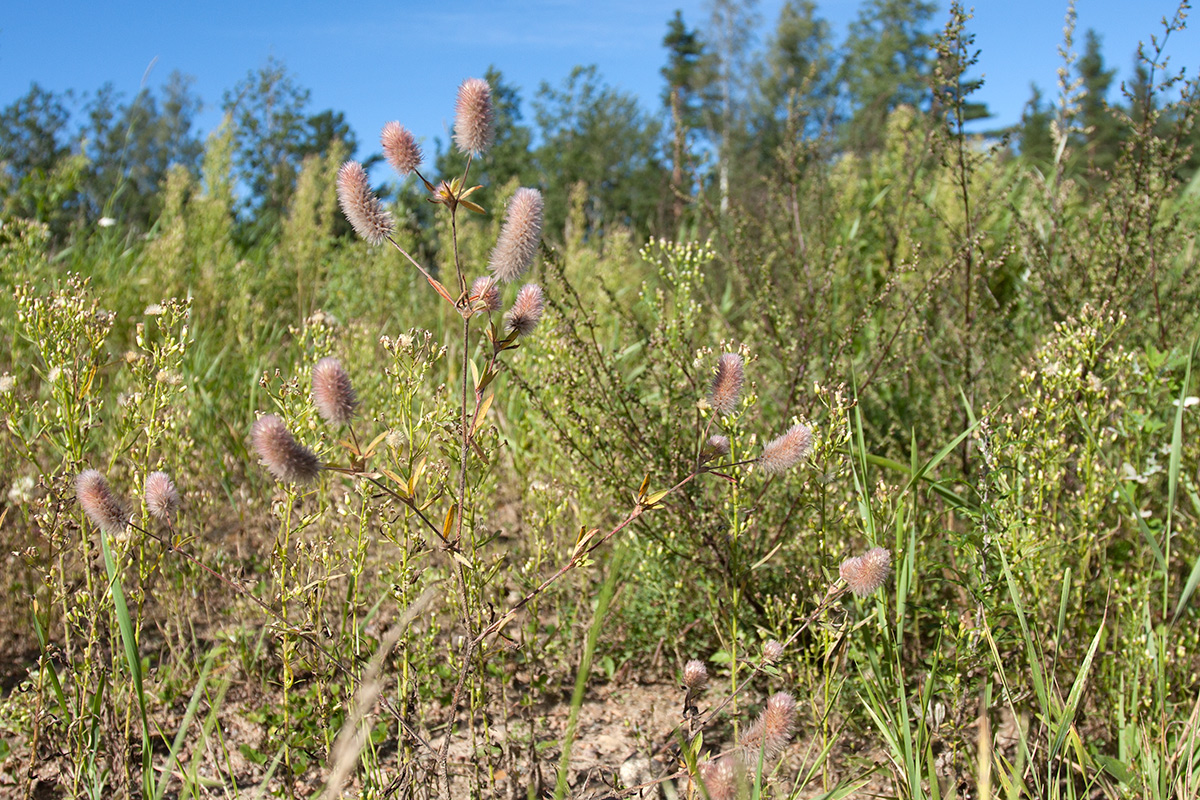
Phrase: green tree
pixel 39 176
pixel 33 133
pixel 689 77
pixel 322 130
pixel 1033 131
pixel 731 33
pixel 1102 133
pixel 594 134
pixel 795 85
pixel 886 64
pixel 132 146
pixel 270 124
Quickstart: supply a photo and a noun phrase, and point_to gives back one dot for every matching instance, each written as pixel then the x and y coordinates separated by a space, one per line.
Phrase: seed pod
pixel 473 117
pixel 520 236
pixel 695 675
pixel 526 310
pixel 400 147
pixel 773 729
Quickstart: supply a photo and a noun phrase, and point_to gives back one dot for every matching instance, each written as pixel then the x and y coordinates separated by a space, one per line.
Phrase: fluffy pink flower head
pixel 99 503
pixel 332 393
pixel 520 236
pixel 162 498
pixel 715 447
pixel 485 294
pixel 288 460
pixel 772 651
pixel 400 147
pixel 473 117
pixel 721 777
pixel 727 384
pixel 866 573
pixel 773 729
pixel 526 311
pixel 782 453
pixel 367 215
pixel 695 675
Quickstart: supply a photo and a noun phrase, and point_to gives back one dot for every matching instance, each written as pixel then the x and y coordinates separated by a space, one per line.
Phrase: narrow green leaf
pixel 1068 716
pixel 1031 653
pixel 186 722
pixel 607 590
pixel 1177 438
pixel 132 659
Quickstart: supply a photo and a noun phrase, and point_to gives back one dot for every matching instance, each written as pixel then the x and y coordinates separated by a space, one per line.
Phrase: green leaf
pixel 1066 722
pixel 132 659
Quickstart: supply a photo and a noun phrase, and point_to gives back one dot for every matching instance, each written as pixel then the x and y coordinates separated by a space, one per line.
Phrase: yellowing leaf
pixel 413 479
pixel 653 499
pixel 482 413
pixel 374 443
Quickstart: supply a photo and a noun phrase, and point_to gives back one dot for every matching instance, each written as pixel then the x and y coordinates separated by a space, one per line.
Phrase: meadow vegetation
pixel 847 468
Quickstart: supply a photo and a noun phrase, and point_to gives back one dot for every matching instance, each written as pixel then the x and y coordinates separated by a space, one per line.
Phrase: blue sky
pixel 403 60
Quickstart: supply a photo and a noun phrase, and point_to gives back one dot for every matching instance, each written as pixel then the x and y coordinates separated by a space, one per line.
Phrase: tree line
pixel 732 107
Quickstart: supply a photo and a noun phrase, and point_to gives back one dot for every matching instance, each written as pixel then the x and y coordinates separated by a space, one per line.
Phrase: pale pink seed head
pixel 721 777
pixel 866 573
pixel 287 459
pixel 771 732
pixel 715 447
pixel 473 117
pixel 162 498
pixel 695 675
pixel 332 392
pixel 526 310
pixel 362 208
pixel 772 651
pixel 520 237
pixel 485 294
pixel 727 384
pixel 99 503
pixel 782 453
pixel 400 147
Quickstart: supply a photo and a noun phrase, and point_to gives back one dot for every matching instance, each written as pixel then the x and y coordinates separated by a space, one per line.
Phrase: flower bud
pixel 727 384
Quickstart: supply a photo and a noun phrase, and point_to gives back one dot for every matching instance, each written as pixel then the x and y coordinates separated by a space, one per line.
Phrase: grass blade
pixel 585 668
pixel 1067 720
pixel 132 659
pixel 186 722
